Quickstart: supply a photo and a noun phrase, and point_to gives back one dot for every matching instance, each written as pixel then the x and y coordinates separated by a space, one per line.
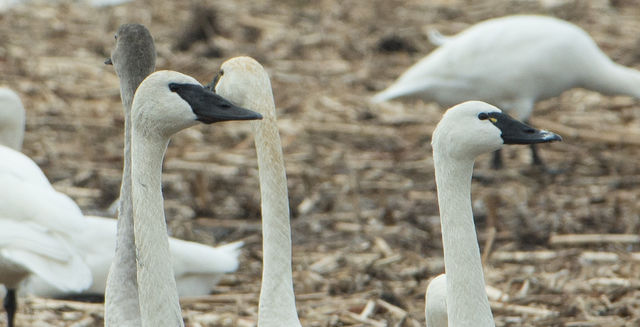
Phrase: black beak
pixel 108 61
pixel 516 132
pixel 210 107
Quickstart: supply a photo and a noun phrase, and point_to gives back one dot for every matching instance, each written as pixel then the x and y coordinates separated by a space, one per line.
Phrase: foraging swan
pixel 133 58
pixel 466 131
pixel 512 62
pixel 197 267
pixel 244 81
pixel 37 224
pixel 164 103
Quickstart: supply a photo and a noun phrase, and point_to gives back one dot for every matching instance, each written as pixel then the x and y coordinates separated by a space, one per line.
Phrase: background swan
pixel 197 267
pixel 244 82
pixel 512 62
pixel 466 131
pixel 37 223
pixel 164 103
pixel 134 58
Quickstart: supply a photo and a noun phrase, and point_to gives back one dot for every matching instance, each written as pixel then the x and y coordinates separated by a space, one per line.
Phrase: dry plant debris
pixel 365 222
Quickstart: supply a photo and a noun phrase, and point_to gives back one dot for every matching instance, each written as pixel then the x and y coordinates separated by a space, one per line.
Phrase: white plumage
pixel 37 224
pixel 512 62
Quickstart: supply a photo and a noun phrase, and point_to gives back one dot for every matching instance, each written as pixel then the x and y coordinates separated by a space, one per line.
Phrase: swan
pixel 197 267
pixel 512 62
pixel 243 81
pixel 164 103
pixel 134 58
pixel 464 132
pixel 37 223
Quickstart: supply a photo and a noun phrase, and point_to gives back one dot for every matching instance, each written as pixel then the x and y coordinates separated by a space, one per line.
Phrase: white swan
pixel 133 58
pixel 36 224
pixel 512 62
pixel 466 131
pixel 244 81
pixel 164 103
pixel 197 267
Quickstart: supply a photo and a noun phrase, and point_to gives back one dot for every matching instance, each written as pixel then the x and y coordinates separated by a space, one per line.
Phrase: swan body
pixel 37 223
pixel 164 103
pixel 466 131
pixel 243 81
pixel 197 267
pixel 512 62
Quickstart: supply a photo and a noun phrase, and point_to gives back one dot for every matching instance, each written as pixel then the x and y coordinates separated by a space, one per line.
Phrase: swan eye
pixel 173 87
pixel 483 116
pixel 115 36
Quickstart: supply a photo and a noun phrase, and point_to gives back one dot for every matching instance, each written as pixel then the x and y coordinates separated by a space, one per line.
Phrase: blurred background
pixel 365 219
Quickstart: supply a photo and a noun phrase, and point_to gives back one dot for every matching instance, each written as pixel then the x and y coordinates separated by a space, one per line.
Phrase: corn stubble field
pixel 366 230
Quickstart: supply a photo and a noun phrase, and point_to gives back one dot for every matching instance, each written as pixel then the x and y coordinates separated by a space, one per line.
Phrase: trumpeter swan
pixel 466 131
pixel 36 225
pixel 244 81
pixel 133 58
pixel 512 62
pixel 164 103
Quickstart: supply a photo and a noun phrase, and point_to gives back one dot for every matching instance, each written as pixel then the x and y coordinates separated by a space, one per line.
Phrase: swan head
pixel 134 52
pixel 12 119
pixel 243 81
pixel 474 127
pixel 167 102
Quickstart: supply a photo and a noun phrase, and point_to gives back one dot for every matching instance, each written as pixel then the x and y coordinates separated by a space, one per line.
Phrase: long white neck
pixel 467 302
pixel 611 78
pixel 158 295
pixel 277 301
pixel 121 294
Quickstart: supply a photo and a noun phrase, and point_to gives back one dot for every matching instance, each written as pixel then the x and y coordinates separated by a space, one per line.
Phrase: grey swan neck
pixel 159 305
pixel 467 302
pixel 133 59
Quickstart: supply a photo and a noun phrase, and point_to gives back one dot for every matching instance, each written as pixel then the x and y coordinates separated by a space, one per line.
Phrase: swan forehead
pixel 242 65
pixel 469 109
pixel 165 77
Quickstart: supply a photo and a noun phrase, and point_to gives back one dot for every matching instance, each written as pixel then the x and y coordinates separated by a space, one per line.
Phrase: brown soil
pixel 364 214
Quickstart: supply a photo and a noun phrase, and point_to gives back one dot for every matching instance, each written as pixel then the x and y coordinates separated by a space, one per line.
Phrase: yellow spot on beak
pixel 493 120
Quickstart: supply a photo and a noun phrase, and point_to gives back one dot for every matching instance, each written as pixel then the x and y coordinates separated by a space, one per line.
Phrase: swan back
pixel 436 302
pixel 12 119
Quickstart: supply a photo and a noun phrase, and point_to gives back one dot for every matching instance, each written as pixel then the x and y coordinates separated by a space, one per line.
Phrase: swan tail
pixel 436 38
pixel 45 255
pixel 196 258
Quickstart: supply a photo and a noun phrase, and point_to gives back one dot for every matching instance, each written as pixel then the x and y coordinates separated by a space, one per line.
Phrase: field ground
pixel 366 230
